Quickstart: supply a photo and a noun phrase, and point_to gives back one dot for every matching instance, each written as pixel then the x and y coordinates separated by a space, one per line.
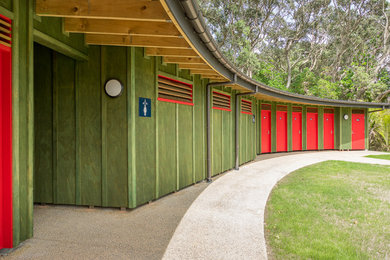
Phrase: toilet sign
pixel 145 107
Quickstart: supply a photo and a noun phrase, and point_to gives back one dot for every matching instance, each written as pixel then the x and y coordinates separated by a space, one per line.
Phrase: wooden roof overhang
pixel 173 29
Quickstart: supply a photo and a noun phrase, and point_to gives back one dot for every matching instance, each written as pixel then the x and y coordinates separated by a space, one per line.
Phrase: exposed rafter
pixel 183 60
pixel 165 52
pixel 140 41
pixel 195 66
pixel 204 72
pixel 108 9
pixel 122 27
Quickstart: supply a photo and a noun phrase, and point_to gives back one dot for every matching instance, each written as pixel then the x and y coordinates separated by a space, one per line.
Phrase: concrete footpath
pixel 226 221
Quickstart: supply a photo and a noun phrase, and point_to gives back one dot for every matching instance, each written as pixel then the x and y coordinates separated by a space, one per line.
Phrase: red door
pixel 5 146
pixel 281 131
pixel 265 131
pixel 358 142
pixel 312 131
pixel 297 131
pixel 328 131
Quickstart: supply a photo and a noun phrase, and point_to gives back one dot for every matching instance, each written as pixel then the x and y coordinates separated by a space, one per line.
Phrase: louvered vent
pixel 221 101
pixel 312 110
pixel 5 31
pixel 265 107
pixel 281 108
pixel 170 90
pixel 297 109
pixel 246 107
pixel 357 111
pixel 328 111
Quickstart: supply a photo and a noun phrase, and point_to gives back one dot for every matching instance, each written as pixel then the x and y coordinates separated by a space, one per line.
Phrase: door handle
pixel 268 131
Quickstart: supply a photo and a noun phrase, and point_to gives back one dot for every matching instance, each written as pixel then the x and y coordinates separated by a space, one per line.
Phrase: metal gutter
pixel 208 108
pixel 191 21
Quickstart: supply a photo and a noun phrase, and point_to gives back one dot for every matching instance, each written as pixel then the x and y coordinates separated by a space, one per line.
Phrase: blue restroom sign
pixel 145 107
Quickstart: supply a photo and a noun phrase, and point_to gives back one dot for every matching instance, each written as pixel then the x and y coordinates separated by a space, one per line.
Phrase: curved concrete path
pixel 226 220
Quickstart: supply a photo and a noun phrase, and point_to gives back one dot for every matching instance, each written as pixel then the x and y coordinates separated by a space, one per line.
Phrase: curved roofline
pixel 187 15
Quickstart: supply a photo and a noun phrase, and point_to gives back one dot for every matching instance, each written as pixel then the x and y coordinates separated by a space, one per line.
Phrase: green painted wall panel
pixel 273 127
pixel 145 136
pixel 227 148
pixel 89 129
pixel 167 147
pixel 216 141
pixel 185 145
pixel 320 128
pixel 43 120
pixel 336 128
pixel 169 68
pixel 346 129
pixel 200 135
pixel 289 127
pixel 65 129
pixel 115 124
pixel 304 128
pixel 7 4
pixel 185 74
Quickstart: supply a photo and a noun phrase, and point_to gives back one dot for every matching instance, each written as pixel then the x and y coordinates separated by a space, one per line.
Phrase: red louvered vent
pixel 328 111
pixel 297 109
pixel 312 110
pixel 221 101
pixel 357 111
pixel 174 91
pixel 246 107
pixel 5 31
pixel 281 108
pixel 265 107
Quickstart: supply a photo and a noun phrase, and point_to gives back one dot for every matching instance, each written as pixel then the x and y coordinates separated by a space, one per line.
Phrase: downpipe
pixel 208 108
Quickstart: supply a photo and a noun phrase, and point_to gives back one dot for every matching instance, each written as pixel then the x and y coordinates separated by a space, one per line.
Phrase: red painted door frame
pixel 265 131
pixel 312 131
pixel 281 131
pixel 5 146
pixel 297 131
pixel 358 132
pixel 328 131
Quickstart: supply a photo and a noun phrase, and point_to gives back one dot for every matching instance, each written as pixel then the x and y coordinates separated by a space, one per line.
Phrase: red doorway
pixel 265 131
pixel 328 131
pixel 6 138
pixel 358 134
pixel 312 129
pixel 281 129
pixel 296 131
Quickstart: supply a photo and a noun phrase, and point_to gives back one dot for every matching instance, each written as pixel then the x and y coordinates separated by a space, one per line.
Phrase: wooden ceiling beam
pixel 138 41
pixel 122 27
pixel 195 66
pixel 142 10
pixel 184 60
pixel 170 52
pixel 204 72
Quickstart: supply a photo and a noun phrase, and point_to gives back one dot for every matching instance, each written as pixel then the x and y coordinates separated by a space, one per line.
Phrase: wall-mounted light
pixel 346 117
pixel 113 88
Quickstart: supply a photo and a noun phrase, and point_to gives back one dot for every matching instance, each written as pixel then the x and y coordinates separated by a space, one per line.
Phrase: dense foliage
pixel 337 49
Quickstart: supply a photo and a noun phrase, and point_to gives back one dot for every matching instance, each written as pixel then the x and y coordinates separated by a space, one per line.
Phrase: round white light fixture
pixel 346 117
pixel 113 88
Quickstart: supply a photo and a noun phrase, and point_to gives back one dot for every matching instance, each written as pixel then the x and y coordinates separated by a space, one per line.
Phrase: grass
pixel 381 156
pixel 330 210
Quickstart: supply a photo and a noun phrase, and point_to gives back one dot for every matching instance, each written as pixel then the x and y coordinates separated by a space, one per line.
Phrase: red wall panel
pixel 265 131
pixel 328 131
pixel 312 131
pixel 358 142
pixel 297 131
pixel 281 131
pixel 5 148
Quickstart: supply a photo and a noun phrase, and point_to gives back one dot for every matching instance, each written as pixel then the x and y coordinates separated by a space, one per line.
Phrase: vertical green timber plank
pixel 273 127
pixel 115 125
pixel 145 129
pixel 77 136
pixel 337 128
pixel 233 127
pixel 131 135
pixel 66 129
pixel 304 128
pixel 43 118
pixel 258 120
pixel 241 121
pixel 199 128
pixel 185 145
pixel 103 127
pixel 259 127
pixel 366 129
pixel 193 137
pixel 89 129
pixel 320 128
pixel 157 191
pixel 289 127
pixel 226 141
pixel 346 134
pixel 216 143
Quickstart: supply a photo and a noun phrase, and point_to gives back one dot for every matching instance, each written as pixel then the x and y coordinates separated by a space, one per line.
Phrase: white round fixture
pixel 113 88
pixel 346 117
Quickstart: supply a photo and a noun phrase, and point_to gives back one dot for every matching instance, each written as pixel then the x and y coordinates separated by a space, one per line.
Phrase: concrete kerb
pixel 226 221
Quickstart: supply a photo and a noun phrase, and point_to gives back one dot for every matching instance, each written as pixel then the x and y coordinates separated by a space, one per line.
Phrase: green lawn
pixel 330 210
pixel 382 156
